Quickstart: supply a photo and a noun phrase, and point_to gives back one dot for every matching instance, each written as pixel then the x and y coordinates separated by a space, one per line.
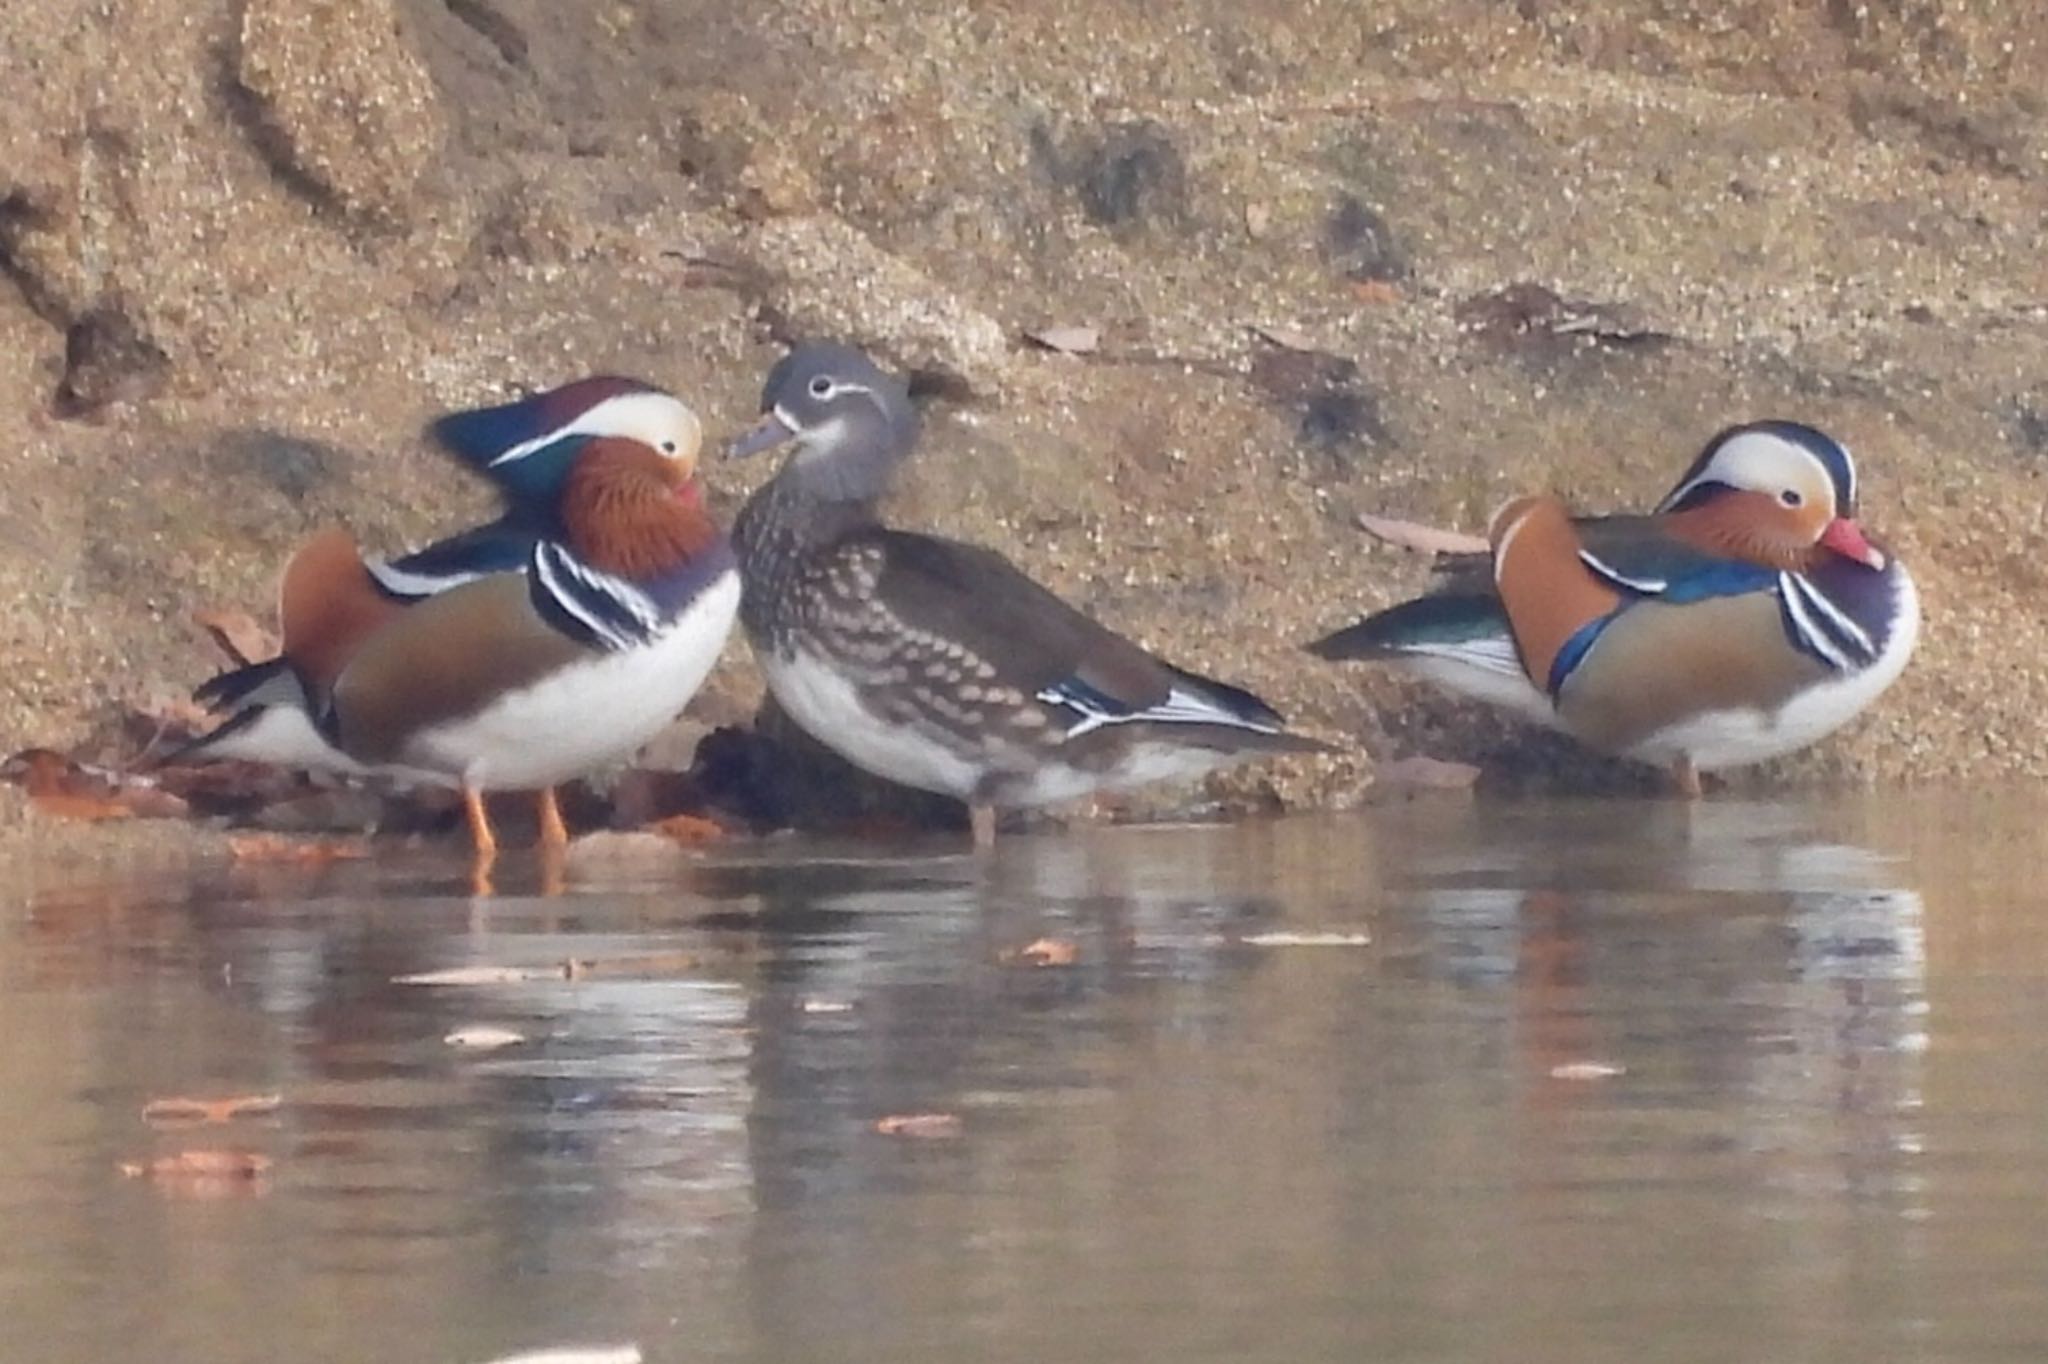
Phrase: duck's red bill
pixel 1846 538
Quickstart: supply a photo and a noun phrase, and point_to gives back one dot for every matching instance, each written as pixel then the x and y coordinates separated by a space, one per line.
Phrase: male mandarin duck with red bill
pixel 1746 618
pixel 519 654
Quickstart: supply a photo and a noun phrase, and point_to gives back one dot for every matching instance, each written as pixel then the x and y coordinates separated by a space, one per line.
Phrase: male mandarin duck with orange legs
pixel 1746 618
pixel 519 654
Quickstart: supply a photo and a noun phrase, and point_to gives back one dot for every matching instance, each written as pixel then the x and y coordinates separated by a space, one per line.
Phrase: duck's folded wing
pixel 446 658
pixel 501 546
pixel 1638 555
pixel 1635 554
pixel 976 604
pixel 1470 627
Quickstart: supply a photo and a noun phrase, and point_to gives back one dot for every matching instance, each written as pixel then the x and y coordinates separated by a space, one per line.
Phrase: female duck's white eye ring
pixel 821 387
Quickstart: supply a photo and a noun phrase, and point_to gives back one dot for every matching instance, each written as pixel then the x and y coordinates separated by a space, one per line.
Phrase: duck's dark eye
pixel 821 387
pixel 668 447
pixel 1790 498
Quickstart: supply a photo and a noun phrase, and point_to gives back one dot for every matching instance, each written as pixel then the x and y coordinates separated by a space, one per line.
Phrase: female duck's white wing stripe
pixel 1180 707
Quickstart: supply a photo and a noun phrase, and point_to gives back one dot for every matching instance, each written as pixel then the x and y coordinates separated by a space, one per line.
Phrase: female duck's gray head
pixel 850 422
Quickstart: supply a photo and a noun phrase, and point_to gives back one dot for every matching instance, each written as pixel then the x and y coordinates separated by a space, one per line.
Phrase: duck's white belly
pixel 1510 691
pixel 828 708
pixel 1736 738
pixel 588 716
pixel 1141 765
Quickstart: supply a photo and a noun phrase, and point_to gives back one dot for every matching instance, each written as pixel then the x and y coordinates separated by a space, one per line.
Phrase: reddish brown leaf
pixel 1424 539
pixel 304 852
pixel 1375 292
pixel 924 1126
pixel 1045 952
pixel 181 1109
pixel 88 808
pixel 62 787
pixel 689 830
pixel 238 634
pixel 203 1164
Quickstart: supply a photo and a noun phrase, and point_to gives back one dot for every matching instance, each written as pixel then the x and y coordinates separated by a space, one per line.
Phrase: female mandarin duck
pixel 519 654
pixel 1746 618
pixel 935 664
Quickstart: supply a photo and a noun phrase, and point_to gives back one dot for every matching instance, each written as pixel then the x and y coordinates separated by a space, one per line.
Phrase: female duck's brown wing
pixel 986 610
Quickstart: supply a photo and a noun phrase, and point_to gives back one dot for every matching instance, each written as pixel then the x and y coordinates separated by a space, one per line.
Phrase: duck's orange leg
pixel 482 842
pixel 1687 777
pixel 554 833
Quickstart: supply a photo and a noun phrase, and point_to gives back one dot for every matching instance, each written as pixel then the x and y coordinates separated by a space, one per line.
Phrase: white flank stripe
pixel 1495 654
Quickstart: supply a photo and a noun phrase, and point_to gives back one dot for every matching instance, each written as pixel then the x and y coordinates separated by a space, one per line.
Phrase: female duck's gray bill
pixel 764 434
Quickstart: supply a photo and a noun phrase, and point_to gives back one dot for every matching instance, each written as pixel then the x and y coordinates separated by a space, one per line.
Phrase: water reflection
pixel 1746 1080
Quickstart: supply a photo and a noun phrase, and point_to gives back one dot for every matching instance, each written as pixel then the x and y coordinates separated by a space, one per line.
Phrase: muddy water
pixel 1744 1082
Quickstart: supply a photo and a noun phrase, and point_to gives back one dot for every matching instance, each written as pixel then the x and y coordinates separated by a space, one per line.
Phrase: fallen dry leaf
pixel 68 789
pixel 689 830
pixel 572 968
pixel 612 849
pixel 485 975
pixel 180 714
pixel 484 1037
pixel 1326 938
pixel 1587 1070
pixel 312 852
pixel 181 1109
pixel 645 964
pixel 925 1126
pixel 238 634
pixel 1067 340
pixel 575 1354
pixel 91 809
pixel 1045 952
pixel 213 1164
pixel 1287 338
pixel 1376 292
pixel 1423 539
pixel 1418 773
